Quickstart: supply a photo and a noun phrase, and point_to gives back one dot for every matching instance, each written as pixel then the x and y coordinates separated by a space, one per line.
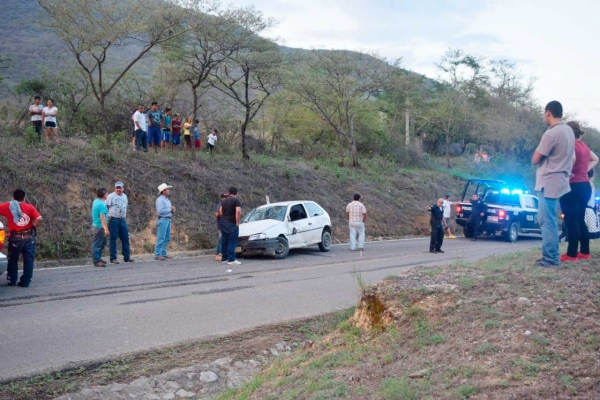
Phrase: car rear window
pixel 313 209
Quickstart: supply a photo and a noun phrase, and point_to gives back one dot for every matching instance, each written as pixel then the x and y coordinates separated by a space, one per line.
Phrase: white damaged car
pixel 274 229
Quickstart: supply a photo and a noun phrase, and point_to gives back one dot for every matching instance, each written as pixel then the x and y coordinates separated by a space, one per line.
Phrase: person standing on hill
pixel 99 227
pixel 166 130
pixel 36 110
pixel 117 203
pixel 23 221
pixel 447 215
pixel 165 211
pixel 197 142
pixel 141 137
pixel 155 122
pixel 212 138
pixel 574 203
pixel 187 134
pixel 437 228
pixel 176 127
pixel 356 213
pixel 554 155
pixel 230 213
pixel 49 117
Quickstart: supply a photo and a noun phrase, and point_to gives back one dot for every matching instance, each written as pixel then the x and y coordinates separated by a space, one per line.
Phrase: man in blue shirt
pixel 99 227
pixel 165 210
pixel 155 122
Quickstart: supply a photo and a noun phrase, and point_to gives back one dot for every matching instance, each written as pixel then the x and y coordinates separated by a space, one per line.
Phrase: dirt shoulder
pixel 501 328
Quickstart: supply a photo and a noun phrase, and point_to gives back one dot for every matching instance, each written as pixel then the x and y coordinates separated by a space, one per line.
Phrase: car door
pixel 530 208
pixel 298 225
pixel 317 221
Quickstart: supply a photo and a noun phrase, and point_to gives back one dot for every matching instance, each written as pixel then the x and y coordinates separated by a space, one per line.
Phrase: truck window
pixel 528 200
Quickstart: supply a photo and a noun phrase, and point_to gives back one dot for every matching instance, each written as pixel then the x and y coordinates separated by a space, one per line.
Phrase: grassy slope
pixel 61 181
pixel 501 328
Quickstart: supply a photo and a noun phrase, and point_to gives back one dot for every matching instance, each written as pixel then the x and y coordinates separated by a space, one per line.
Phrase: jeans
pixel 229 240
pixel 118 230
pixel 549 226
pixel 218 251
pixel 16 247
pixel 154 135
pixel 163 236
pixel 357 227
pixel 573 205
pixel 437 237
pixel 141 140
pixel 98 243
pixel 37 126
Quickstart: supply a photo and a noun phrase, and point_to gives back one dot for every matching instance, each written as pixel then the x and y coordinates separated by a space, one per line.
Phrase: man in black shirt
pixel 478 210
pixel 230 213
pixel 437 227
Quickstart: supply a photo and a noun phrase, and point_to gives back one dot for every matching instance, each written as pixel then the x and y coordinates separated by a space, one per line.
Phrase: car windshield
pixel 260 214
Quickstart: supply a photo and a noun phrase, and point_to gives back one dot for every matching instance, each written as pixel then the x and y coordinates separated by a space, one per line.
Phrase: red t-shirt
pixel 30 214
pixel 582 159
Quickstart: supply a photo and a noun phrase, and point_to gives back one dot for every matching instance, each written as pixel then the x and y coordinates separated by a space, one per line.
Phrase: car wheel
pixel 513 233
pixel 282 248
pixel 468 231
pixel 325 244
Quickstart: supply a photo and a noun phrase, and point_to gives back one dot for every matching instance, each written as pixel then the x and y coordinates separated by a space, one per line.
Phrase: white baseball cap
pixel 162 187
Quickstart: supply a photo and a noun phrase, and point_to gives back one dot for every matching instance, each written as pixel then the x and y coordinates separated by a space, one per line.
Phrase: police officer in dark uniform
pixel 478 210
pixel 437 226
pixel 23 220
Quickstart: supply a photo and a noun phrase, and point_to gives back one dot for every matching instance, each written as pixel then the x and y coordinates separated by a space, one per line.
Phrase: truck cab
pixel 510 211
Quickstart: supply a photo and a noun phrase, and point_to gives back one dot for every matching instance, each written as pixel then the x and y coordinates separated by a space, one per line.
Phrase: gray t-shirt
pixel 558 148
pixel 117 205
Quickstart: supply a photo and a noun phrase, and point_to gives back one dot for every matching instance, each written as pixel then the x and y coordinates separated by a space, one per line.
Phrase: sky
pixel 555 42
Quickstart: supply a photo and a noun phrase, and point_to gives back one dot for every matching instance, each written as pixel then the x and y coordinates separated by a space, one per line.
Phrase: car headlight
pixel 258 236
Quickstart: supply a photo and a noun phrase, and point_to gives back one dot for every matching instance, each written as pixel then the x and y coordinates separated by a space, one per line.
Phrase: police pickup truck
pixel 510 211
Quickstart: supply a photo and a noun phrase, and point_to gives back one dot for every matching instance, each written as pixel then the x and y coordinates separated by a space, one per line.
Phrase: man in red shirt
pixel 23 220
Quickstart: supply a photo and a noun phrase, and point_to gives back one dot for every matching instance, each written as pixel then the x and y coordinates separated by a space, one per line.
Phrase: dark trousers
pixel 437 237
pixel 37 126
pixel 16 247
pixel 229 240
pixel 141 140
pixel 98 243
pixel 118 230
pixel 210 147
pixel 475 222
pixel 573 205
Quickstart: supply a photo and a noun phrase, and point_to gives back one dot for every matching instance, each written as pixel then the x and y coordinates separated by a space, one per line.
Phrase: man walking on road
pixel 165 211
pixel 357 216
pixel 230 212
pixel 554 155
pixel 117 224
pixel 99 227
pixel 23 220
pixel 36 110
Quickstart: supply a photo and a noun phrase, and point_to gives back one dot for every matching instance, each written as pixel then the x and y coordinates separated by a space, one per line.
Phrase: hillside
pixel 61 180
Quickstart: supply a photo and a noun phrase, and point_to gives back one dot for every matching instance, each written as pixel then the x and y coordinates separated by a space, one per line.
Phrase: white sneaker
pixel 236 262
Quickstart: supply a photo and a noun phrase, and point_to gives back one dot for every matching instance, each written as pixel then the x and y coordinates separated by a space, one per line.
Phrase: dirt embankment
pixel 61 182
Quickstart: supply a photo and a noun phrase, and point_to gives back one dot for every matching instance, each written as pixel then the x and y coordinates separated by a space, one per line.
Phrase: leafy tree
pixel 91 29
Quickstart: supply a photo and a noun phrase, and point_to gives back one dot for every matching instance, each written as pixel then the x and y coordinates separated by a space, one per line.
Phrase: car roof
pixel 286 203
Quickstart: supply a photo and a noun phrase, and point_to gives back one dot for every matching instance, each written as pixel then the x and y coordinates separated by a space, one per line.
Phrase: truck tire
pixel 468 231
pixel 512 234
pixel 282 249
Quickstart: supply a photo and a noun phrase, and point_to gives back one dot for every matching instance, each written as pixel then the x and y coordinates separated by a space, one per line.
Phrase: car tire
pixel 512 234
pixel 468 231
pixel 325 244
pixel 282 249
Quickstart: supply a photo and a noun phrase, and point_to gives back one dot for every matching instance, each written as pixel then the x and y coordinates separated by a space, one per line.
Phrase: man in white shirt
pixel 141 129
pixel 35 110
pixel 357 215
pixel 212 138
pixel 447 214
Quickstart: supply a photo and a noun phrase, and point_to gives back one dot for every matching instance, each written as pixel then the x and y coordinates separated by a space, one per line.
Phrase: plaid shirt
pixel 355 211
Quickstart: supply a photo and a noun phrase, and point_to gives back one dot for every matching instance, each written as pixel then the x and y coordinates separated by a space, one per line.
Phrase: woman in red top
pixel 573 204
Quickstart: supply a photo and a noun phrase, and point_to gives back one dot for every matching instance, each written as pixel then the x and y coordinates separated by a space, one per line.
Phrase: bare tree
pixel 91 29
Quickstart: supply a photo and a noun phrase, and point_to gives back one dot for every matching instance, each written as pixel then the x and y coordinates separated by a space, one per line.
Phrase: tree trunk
pixel 407 128
pixel 353 144
pixel 195 105
pixel 447 149
pixel 105 119
pixel 245 155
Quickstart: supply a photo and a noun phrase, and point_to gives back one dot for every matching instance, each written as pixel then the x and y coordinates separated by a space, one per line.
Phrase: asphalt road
pixel 79 314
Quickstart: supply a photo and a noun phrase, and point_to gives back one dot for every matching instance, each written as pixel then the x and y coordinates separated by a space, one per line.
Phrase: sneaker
pixel 446 237
pixel 99 264
pixel 439 251
pixel 582 256
pixel 103 262
pixel 12 283
pixel 167 257
pixel 22 285
pixel 451 237
pixel 235 262
pixel 114 262
pixel 567 258
pixel 130 260
pixel 361 249
pixel 546 264
pixel 159 258
pixel 432 251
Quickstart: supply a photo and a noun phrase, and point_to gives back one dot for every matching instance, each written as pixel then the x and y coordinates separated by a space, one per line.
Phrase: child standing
pixel 187 135
pixel 212 138
pixel 166 130
pixel 197 142
pixel 176 131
